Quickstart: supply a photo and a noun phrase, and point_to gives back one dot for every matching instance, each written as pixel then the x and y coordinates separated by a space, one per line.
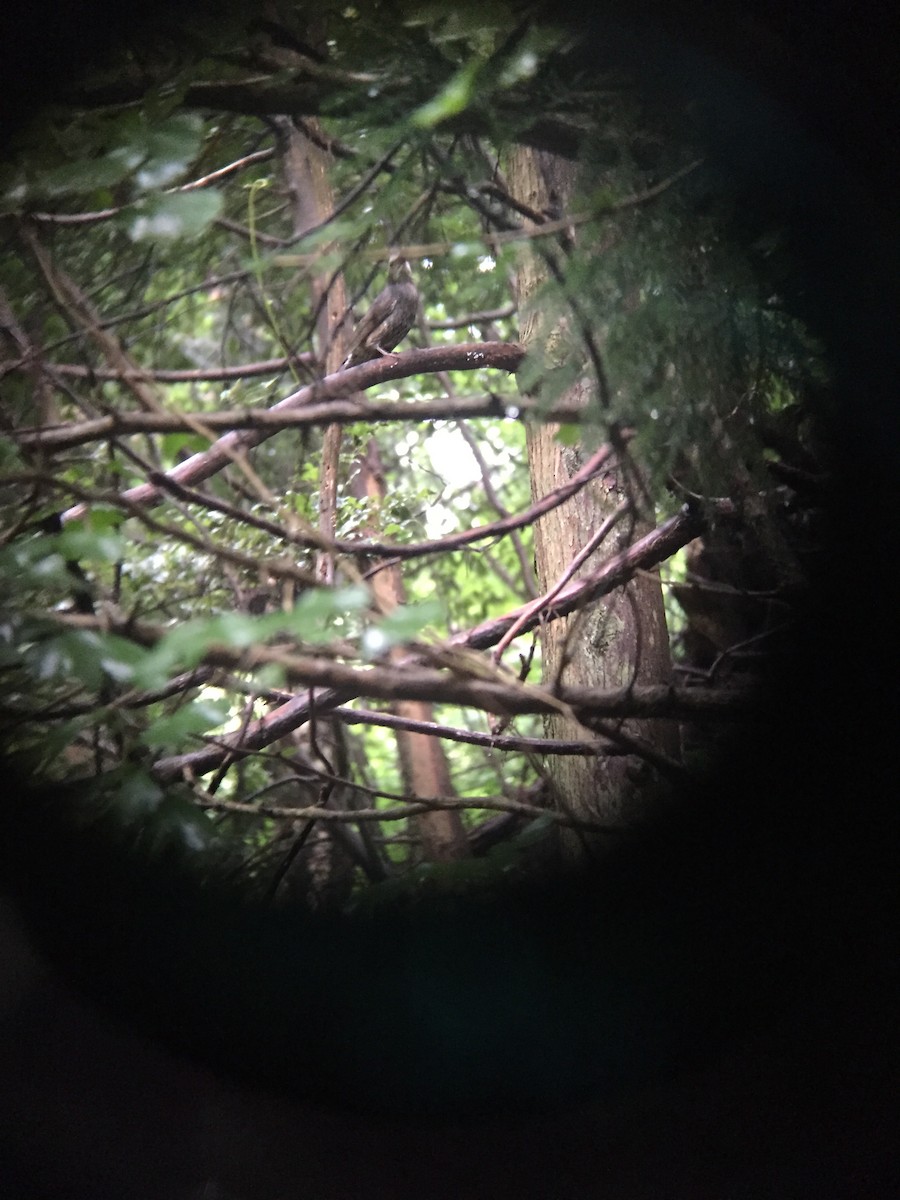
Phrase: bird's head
pixel 398 269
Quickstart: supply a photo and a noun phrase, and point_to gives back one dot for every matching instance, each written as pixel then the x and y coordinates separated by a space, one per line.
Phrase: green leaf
pixel 33 565
pixel 181 824
pixel 152 822
pixel 313 617
pixel 182 648
pixel 171 147
pixel 568 435
pixel 119 658
pixel 90 545
pixel 454 98
pixel 76 653
pixel 164 218
pixel 173 444
pixel 137 796
pixel 77 178
pixel 237 630
pixel 10 456
pixel 402 625
pixel 197 717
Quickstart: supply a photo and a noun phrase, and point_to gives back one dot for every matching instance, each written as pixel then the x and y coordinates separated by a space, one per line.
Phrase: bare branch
pixel 507 743
pixel 270 421
pixel 647 552
pixel 269 366
pixel 408 680
pixel 542 603
pixel 475 318
pixel 362 547
pixel 104 214
pixel 403 812
pixel 505 356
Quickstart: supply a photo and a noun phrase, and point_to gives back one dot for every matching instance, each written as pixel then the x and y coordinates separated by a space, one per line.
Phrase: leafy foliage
pixel 158 262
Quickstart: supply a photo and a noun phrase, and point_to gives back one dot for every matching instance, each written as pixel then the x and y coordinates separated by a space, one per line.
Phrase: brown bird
pixel 390 318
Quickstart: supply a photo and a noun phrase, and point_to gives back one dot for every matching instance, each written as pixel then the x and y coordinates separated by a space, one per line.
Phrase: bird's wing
pixel 373 320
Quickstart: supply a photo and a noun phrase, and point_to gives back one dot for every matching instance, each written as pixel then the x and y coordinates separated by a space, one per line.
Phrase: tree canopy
pixel 173 297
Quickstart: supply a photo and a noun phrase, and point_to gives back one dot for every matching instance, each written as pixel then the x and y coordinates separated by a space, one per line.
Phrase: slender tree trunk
pixel 622 639
pixel 307 170
pixel 307 174
pixel 423 763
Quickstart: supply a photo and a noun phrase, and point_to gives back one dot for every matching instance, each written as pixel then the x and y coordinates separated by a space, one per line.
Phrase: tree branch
pixel 360 547
pixel 504 356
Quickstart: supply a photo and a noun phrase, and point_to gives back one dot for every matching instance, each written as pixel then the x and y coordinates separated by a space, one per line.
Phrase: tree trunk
pixel 622 639
pixel 423 762
pixel 327 866
pixel 307 171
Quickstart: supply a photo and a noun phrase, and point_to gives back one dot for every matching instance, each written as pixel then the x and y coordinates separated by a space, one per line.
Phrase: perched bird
pixel 390 318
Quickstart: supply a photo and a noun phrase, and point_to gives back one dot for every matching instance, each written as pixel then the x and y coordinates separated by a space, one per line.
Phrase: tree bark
pixel 328 867
pixel 423 761
pixel 307 169
pixel 622 639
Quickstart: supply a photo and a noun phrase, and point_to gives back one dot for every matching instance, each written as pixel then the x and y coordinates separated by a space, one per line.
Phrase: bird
pixel 390 318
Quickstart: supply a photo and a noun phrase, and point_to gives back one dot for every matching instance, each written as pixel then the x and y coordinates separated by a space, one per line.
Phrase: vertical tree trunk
pixel 423 763
pixel 621 639
pixel 307 171
pixel 307 166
